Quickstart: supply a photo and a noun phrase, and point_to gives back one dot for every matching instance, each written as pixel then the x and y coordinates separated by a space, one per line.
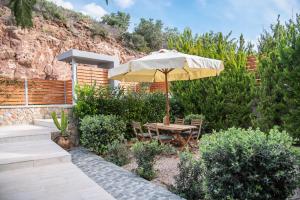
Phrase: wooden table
pixel 175 129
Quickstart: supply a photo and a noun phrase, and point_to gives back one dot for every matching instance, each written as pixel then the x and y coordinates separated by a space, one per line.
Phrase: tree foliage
pixel 119 20
pixel 22 11
pixel 224 100
pixel 279 99
pixel 152 32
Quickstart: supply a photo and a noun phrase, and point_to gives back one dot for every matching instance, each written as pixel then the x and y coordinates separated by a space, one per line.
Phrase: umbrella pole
pixel 167 119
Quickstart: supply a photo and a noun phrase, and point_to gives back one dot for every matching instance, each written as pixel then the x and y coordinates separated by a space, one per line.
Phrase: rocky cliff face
pixel 32 53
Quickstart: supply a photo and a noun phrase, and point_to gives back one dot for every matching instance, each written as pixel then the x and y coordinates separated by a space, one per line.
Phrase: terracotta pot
pixel 64 142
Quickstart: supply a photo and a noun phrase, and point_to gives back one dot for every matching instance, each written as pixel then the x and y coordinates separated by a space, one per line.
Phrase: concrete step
pixel 19 133
pixel 52 182
pixel 46 123
pixel 24 154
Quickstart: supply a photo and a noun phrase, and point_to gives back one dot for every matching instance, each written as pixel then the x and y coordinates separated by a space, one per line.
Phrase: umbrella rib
pixel 155 74
pixel 187 73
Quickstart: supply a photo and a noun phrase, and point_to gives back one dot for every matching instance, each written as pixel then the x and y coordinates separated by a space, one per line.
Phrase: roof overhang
pixel 90 58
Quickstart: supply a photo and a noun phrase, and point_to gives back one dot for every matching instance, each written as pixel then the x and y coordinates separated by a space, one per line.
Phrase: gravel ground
pixel 166 167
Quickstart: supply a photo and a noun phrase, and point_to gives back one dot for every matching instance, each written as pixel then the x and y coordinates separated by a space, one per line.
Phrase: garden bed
pixel 166 167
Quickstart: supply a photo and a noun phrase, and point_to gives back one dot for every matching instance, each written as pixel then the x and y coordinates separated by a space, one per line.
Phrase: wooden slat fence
pixel 37 92
pixel 12 92
pixel 92 75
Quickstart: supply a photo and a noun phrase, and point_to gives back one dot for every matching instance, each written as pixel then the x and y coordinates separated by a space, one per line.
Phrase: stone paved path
pixel 120 183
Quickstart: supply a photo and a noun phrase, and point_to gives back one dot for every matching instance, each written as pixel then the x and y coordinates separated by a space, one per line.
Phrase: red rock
pixel 32 52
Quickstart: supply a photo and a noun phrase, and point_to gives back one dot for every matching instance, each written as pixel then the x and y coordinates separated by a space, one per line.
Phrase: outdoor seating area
pixel 177 132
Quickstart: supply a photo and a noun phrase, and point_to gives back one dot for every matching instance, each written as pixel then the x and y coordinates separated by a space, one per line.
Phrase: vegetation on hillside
pixel 148 35
pixel 22 10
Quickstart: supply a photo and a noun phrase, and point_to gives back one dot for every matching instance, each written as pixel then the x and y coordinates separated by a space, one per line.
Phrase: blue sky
pixel 249 17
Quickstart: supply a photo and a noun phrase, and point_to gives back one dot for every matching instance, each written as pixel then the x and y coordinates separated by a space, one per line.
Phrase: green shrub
pixel 248 164
pixel 190 117
pixel 118 153
pixel 87 99
pixel 129 106
pixel 145 153
pixel 50 11
pixel 98 131
pixel 135 41
pixel 188 183
pixel 98 30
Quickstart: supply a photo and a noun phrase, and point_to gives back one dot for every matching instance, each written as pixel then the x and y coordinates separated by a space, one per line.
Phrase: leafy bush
pixel 135 41
pixel 118 153
pixel 248 164
pixel 188 183
pixel 129 106
pixel 51 11
pixel 119 20
pixel 225 100
pixel 145 153
pixel 98 131
pixel 98 30
pixel 190 117
pixel 87 101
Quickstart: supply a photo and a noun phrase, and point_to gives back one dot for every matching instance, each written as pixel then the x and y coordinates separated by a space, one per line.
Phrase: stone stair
pixel 34 167
pixel 45 123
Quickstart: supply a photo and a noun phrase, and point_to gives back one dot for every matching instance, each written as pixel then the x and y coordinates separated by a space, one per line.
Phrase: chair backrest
pixel 179 121
pixel 153 129
pixel 137 128
pixel 198 123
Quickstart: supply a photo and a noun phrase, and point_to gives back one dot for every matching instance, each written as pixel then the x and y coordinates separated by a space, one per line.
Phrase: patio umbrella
pixel 165 66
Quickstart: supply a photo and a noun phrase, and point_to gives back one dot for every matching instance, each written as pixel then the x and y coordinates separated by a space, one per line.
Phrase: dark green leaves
pixel 224 100
pixel 22 10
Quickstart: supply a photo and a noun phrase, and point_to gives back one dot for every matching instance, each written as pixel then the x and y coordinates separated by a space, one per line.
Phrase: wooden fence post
pixel 26 91
pixel 65 92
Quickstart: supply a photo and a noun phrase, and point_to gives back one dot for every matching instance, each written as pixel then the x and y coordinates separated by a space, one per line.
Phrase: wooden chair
pixel 138 131
pixel 196 132
pixel 162 138
pixel 179 121
pixel 193 134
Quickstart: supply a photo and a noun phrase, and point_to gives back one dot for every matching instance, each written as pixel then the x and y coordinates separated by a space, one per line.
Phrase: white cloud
pixel 94 10
pixel 64 4
pixel 124 3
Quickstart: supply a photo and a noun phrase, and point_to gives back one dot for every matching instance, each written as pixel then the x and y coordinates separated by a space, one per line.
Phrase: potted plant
pixel 63 139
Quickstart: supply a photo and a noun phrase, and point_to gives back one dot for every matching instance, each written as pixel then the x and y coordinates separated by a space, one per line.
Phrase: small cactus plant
pixel 63 125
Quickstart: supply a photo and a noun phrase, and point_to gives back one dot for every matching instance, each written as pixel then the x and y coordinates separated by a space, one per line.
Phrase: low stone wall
pixel 10 115
pixel 26 114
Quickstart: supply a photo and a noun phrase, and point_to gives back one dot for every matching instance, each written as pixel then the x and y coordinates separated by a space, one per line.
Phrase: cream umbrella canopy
pixel 165 66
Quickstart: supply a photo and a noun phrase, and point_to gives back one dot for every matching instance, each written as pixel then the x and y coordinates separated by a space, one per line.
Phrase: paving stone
pixel 120 183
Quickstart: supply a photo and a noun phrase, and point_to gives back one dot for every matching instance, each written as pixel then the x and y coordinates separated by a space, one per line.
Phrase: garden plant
pixel 98 131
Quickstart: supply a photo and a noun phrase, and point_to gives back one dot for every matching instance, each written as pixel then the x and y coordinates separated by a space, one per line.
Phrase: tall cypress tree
pixel 279 98
pixel 22 10
pixel 225 100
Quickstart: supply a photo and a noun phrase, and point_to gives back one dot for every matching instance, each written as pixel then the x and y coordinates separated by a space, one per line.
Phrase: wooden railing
pixel 35 92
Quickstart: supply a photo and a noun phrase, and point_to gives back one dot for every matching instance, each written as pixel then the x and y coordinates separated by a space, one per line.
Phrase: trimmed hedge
pixel 130 106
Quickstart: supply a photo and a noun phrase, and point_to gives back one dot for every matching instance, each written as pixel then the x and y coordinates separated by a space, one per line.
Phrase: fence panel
pixel 69 96
pixel 12 92
pixel 91 75
pixel 42 92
